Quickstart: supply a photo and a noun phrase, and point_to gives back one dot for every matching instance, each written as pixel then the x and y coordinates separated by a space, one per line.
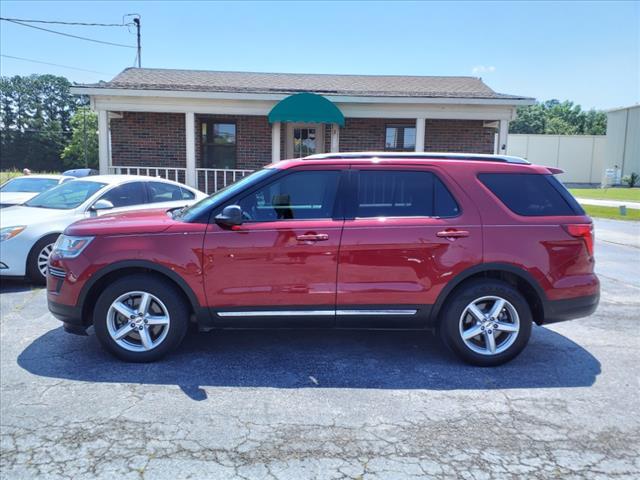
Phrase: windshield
pixel 66 196
pixel 220 196
pixel 33 185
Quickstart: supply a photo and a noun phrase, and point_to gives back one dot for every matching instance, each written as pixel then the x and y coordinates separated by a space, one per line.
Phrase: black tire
pixel 33 272
pixel 449 326
pixel 166 292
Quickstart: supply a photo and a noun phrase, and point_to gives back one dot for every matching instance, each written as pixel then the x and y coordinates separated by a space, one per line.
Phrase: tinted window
pixel 66 196
pixel 299 195
pixel 531 194
pixel 198 211
pixel 29 185
pixel 403 194
pixel 126 195
pixel 166 192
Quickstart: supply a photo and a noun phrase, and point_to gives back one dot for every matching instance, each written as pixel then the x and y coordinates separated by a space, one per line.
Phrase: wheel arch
pixel 33 247
pixel 522 280
pixel 90 292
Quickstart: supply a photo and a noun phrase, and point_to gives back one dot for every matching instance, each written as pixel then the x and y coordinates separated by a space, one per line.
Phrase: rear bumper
pixel 570 308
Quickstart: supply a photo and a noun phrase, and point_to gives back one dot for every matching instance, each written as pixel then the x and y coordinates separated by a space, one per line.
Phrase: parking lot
pixel 328 404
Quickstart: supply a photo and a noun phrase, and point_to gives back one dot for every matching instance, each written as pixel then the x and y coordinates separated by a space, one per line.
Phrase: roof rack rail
pixel 479 157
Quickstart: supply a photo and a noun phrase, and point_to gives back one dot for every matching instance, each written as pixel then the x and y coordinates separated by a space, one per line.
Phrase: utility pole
pixel 136 20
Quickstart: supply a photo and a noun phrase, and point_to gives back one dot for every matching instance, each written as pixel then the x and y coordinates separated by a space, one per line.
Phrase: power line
pixel 53 64
pixel 68 34
pixel 58 22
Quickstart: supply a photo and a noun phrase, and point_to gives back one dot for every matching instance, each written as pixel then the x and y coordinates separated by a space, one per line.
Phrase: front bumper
pixel 13 256
pixel 69 315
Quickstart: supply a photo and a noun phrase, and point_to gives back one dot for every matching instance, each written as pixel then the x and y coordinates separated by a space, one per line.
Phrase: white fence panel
pixel 580 156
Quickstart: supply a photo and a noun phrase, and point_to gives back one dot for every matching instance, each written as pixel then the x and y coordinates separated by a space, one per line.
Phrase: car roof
pixel 484 157
pixel 117 179
pixel 467 161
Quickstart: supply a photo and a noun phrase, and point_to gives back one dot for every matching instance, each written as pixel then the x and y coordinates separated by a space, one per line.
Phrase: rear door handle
pixel 312 237
pixel 452 234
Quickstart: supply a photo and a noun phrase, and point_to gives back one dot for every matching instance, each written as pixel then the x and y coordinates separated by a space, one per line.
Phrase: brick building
pixel 208 128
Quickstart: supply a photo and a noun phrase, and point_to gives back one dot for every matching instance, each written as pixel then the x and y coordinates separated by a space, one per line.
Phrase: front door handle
pixel 452 234
pixel 312 237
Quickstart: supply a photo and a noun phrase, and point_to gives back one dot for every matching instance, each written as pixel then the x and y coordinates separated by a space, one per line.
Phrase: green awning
pixel 307 108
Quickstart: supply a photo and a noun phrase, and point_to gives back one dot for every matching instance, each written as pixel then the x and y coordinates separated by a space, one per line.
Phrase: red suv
pixel 479 246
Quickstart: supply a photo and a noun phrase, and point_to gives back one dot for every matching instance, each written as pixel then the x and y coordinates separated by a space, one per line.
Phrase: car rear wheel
pixel 140 318
pixel 487 323
pixel 38 260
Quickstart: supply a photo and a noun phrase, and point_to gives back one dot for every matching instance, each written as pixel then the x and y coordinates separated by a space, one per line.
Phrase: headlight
pixel 70 247
pixel 10 232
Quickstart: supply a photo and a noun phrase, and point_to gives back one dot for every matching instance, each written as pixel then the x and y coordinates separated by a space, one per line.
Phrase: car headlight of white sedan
pixel 69 246
pixel 9 232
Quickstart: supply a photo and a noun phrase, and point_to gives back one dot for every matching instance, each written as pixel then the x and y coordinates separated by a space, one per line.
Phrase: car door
pixel 280 265
pixel 407 231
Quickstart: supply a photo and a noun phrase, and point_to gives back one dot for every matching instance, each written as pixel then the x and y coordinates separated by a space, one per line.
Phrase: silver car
pixel 28 231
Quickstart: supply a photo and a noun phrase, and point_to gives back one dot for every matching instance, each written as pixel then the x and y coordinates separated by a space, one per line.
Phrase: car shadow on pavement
pixel 314 359
pixel 11 285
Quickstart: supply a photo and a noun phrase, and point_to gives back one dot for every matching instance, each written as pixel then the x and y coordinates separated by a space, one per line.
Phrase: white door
pixel 304 139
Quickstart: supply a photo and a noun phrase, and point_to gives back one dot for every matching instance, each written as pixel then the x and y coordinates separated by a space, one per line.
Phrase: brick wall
pixel 148 139
pixel 158 139
pixel 467 136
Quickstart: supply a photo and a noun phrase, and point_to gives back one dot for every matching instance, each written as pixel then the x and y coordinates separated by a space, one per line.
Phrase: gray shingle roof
pixel 251 82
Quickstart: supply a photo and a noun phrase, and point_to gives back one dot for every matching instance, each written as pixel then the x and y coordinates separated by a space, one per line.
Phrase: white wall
pixel 623 139
pixel 582 157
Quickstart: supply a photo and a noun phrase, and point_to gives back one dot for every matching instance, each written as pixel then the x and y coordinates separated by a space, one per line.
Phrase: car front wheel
pixel 38 259
pixel 487 323
pixel 140 318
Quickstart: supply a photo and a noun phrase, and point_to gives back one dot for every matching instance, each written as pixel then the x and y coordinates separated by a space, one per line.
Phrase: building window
pixel 218 144
pixel 400 138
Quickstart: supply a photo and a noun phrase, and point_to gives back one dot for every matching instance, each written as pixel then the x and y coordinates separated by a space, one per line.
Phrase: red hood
pixel 142 221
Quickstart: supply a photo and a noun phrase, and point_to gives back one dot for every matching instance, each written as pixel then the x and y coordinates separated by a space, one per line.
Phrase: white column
pixel 503 133
pixel 275 142
pixel 103 142
pixel 420 132
pixel 335 138
pixel 191 176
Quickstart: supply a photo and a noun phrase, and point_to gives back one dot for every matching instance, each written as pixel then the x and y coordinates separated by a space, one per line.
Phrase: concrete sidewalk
pixel 608 203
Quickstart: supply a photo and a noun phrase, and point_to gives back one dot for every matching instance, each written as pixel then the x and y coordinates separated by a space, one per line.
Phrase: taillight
pixel 583 230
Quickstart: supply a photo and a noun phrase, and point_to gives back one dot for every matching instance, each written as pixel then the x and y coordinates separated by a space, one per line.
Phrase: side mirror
pixel 101 205
pixel 231 216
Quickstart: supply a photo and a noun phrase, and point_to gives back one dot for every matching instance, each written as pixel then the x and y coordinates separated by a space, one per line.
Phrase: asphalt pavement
pixel 306 404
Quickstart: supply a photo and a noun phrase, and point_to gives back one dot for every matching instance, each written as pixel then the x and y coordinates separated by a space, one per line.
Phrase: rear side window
pixel 531 195
pixel 167 192
pixel 403 194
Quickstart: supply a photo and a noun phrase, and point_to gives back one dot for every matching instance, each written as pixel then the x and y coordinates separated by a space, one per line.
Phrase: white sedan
pixel 20 189
pixel 28 231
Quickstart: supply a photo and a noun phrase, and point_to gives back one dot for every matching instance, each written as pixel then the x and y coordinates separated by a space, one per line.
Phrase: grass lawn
pixel 617 193
pixel 611 212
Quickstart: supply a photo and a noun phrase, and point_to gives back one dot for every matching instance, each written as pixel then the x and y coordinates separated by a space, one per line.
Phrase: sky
pixel 587 52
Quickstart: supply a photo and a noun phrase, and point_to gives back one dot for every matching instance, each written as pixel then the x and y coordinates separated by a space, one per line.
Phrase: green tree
pixel 35 120
pixel 82 150
pixel 559 118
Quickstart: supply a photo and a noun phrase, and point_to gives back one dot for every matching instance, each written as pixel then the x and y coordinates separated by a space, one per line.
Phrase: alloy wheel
pixel 43 259
pixel 138 321
pixel 489 325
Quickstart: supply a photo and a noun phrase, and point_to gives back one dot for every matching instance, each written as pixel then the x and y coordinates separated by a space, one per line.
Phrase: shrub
pixel 631 180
